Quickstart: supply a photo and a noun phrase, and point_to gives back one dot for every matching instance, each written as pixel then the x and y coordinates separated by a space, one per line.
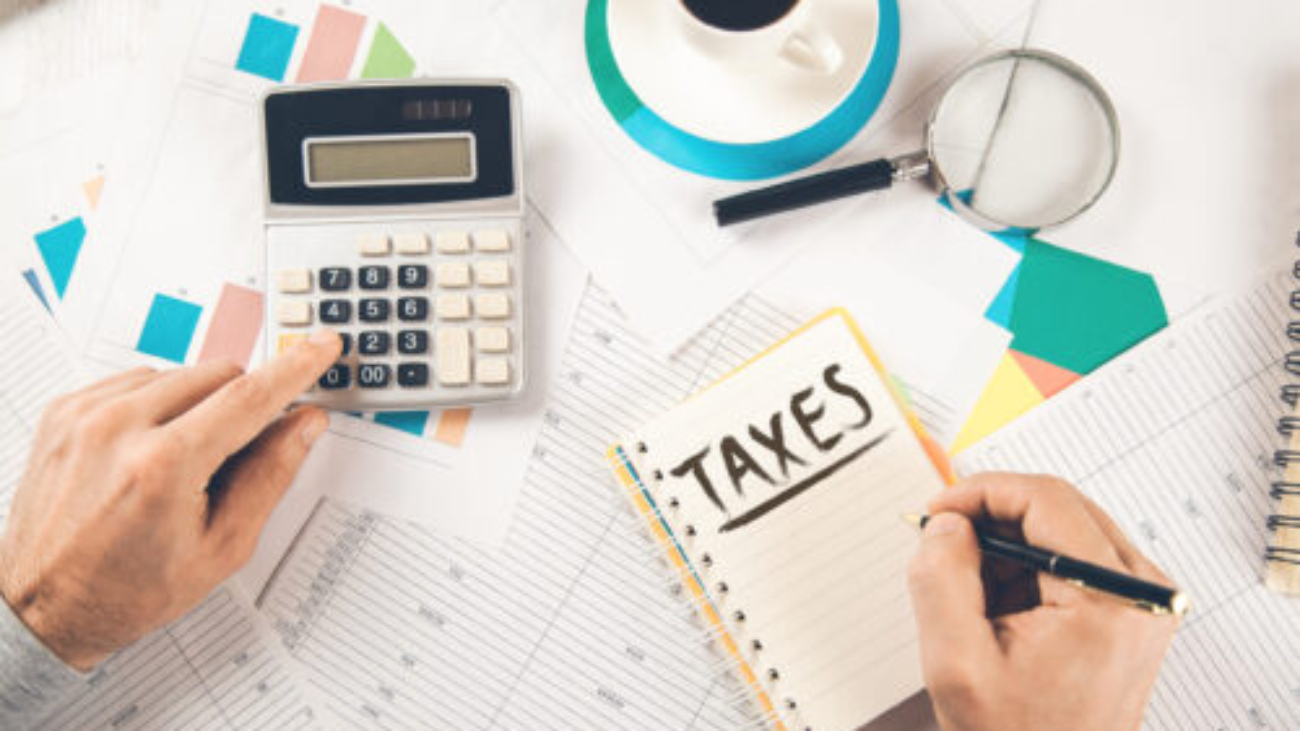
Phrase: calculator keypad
pixel 429 314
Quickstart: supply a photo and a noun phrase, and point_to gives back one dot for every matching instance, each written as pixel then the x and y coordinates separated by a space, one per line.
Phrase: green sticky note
pixel 387 58
pixel 1078 312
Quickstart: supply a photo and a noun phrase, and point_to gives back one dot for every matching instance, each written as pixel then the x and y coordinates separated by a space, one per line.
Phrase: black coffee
pixel 739 14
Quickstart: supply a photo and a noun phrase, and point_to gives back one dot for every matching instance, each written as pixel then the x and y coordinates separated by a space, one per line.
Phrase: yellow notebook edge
pixel 630 479
pixel 1282 576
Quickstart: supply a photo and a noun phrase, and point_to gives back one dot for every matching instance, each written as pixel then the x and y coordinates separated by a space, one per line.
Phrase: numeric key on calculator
pixel 336 378
pixel 413 276
pixel 374 375
pixel 412 342
pixel 413 375
pixel 373 277
pixel 374 342
pixel 375 310
pixel 413 309
pixel 336 279
pixel 335 312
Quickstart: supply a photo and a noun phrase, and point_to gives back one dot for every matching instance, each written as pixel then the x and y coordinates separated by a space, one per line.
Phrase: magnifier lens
pixel 1023 142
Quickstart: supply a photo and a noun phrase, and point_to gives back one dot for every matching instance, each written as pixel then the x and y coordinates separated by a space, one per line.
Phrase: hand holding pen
pixel 1005 646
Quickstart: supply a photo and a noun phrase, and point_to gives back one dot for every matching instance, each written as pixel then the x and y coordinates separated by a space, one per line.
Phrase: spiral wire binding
pixel 713 597
pixel 1287 426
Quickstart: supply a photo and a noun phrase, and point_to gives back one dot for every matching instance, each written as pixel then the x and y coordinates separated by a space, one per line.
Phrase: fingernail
pixel 323 337
pixel 942 525
pixel 314 428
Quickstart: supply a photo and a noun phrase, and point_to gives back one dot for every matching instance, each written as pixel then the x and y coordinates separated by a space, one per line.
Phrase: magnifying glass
pixel 1019 139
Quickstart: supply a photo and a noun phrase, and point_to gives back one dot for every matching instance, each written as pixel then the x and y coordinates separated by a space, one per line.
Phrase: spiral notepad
pixel 777 494
pixel 1284 553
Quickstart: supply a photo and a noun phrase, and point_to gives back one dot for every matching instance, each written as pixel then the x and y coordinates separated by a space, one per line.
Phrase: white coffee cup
pixel 731 31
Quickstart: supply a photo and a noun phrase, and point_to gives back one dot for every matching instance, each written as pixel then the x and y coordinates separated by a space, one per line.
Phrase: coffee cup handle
pixel 813 49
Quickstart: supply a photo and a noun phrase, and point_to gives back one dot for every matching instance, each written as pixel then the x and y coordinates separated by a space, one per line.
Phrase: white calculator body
pixel 394 216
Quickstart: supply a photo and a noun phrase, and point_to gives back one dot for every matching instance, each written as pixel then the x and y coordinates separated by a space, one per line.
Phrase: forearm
pixel 32 678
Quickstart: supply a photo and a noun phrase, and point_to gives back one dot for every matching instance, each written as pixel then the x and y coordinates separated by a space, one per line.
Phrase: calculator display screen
pixel 414 159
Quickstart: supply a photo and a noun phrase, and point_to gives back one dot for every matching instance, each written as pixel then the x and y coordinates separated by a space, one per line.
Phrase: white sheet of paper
pixel 1175 439
pixel 1207 192
pixel 186 219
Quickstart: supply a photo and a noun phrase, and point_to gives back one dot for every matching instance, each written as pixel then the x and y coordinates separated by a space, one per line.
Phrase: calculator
pixel 394 216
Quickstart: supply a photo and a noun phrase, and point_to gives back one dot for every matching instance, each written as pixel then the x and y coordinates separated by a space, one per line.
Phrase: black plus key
pixel 335 279
pixel 372 342
pixel 412 342
pixel 336 378
pixel 373 375
pixel 413 276
pixel 374 277
pixel 347 343
pixel 413 375
pixel 413 309
pixel 375 310
pixel 335 312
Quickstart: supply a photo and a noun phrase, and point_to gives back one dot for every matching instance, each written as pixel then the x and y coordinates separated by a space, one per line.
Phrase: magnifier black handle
pixel 802 192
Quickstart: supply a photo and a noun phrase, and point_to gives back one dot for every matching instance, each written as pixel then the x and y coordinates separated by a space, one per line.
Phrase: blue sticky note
pixel 35 283
pixel 1000 309
pixel 411 422
pixel 267 48
pixel 59 247
pixel 169 328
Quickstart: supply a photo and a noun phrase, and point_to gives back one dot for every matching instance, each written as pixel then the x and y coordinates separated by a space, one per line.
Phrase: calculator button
pixel 413 375
pixel 453 276
pixel 292 313
pixel 494 306
pixel 492 371
pixel 374 277
pixel 286 342
pixel 337 377
pixel 293 281
pixel 413 276
pixel 492 273
pixel 335 279
pixel 347 343
pixel 492 340
pixel 452 242
pixel 372 342
pixel 452 351
pixel 411 243
pixel 374 375
pixel 412 342
pixel 375 310
pixel 413 309
pixel 372 245
pixel 335 312
pixel 453 307
pixel 495 240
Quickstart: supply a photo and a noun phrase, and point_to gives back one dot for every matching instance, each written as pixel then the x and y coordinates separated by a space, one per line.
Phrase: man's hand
pixel 1004 648
pixel 146 490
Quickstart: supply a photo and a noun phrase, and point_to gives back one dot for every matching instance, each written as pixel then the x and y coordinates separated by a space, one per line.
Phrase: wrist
pixel 37 608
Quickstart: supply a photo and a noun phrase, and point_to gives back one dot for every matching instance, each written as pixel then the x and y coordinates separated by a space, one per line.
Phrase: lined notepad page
pixel 1175 440
pixel 820 577
pixel 218 668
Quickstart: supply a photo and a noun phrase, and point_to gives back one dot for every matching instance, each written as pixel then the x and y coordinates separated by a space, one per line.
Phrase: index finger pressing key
pixel 232 417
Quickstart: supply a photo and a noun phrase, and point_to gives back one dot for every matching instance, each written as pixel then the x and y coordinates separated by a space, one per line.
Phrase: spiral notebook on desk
pixel 776 494
pixel 1283 553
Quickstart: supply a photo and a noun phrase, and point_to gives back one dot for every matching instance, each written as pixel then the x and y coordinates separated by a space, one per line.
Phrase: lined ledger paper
pixel 576 623
pixel 1175 440
pixel 217 668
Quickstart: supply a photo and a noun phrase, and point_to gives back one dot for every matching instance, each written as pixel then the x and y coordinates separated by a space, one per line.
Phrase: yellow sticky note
pixel 1009 394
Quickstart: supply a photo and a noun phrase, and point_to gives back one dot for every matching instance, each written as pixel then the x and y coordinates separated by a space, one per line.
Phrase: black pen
pixel 1142 594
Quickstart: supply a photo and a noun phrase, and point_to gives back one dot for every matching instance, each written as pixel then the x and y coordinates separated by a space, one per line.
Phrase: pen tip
pixel 1181 604
pixel 913 519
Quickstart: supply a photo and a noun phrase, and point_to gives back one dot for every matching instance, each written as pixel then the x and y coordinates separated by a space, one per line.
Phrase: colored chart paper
pixel 169 328
pixel 411 422
pixel 387 58
pixel 93 189
pixel 34 282
pixel 59 247
pixel 1068 314
pixel 267 47
pixel 333 45
pixel 236 324
pixel 452 425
